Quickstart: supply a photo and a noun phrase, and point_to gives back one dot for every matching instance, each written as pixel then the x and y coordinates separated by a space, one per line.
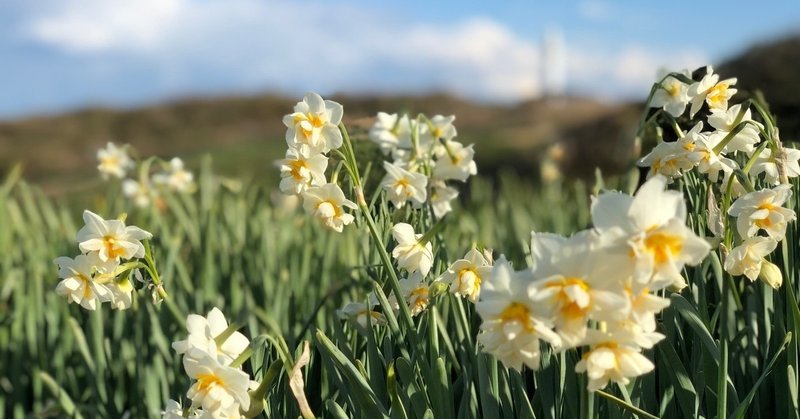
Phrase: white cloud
pixel 291 46
pixel 195 46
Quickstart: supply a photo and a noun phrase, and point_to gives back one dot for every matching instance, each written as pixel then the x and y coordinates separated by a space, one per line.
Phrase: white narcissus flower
pixel 441 195
pixel 651 228
pixel 202 334
pixel 402 185
pixel 360 313
pixel 745 140
pixel 644 306
pixel 442 127
pixel 712 91
pixel 767 164
pixel 466 275
pixel 762 210
pixel 575 282
pixel 609 360
pixel 668 159
pixel 173 410
pixel 216 386
pixel 85 280
pixel 300 170
pixel 111 239
pixel 114 161
pixel 510 329
pixel 672 95
pixel 415 291
pixel 390 131
pixel 176 178
pixel 327 203
pixel 411 255
pixel 140 193
pixel 313 126
pixel 121 293
pixel 454 161
pixel 747 258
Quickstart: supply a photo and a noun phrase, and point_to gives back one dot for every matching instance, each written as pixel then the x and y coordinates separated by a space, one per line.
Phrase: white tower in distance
pixel 554 63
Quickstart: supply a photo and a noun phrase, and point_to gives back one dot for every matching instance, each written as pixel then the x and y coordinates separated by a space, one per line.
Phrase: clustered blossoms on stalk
pixel 733 150
pixel 109 257
pixel 425 157
pixel 173 177
pixel 596 289
pixel 211 358
pixel 313 132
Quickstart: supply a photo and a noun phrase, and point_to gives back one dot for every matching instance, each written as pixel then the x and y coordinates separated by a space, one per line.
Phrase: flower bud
pixel 771 274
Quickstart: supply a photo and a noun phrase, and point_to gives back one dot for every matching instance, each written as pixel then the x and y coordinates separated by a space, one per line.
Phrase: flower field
pixel 409 286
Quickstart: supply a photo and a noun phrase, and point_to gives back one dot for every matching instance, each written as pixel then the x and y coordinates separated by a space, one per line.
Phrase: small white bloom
pixel 360 313
pixel 711 91
pixel 415 292
pixel 111 239
pixel 441 195
pixel 176 178
pixel 140 193
pixel 672 95
pixel 762 210
pixel 85 280
pixel 299 171
pixel 651 228
pixel 745 140
pixel 114 161
pixel 402 185
pixel 121 293
pixel 511 331
pixel 466 275
pixel 202 334
pixel 644 306
pixel 669 159
pixel 576 281
pixel 390 131
pixel 608 360
pixel 313 127
pixel 747 258
pixel 327 203
pixel 767 164
pixel 442 127
pixel 411 255
pixel 216 386
pixel 454 161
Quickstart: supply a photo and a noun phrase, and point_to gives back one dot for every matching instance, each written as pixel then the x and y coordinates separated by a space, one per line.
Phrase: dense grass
pixel 282 277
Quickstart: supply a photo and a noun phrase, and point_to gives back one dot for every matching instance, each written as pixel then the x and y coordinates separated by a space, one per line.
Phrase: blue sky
pixel 63 54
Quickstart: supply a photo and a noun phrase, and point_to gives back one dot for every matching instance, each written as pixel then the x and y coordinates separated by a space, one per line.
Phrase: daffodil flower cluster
pixel 102 272
pixel 313 132
pixel 737 154
pixel 425 157
pixel 173 177
pixel 211 353
pixel 600 288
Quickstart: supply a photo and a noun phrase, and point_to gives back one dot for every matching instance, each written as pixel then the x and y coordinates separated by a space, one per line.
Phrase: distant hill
pixel 245 134
pixel 774 68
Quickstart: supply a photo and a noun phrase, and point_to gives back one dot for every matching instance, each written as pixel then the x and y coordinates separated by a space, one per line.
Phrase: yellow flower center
pixel 297 166
pixel 206 381
pixel 569 308
pixel 468 275
pixel 517 312
pixel 109 161
pixel 114 251
pixel 718 95
pixel 87 290
pixel 663 246
pixel 313 119
pixel 674 90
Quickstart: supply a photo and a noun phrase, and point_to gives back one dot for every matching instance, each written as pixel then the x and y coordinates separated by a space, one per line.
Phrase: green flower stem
pixel 242 358
pixel 625 405
pixel 722 375
pixel 394 282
